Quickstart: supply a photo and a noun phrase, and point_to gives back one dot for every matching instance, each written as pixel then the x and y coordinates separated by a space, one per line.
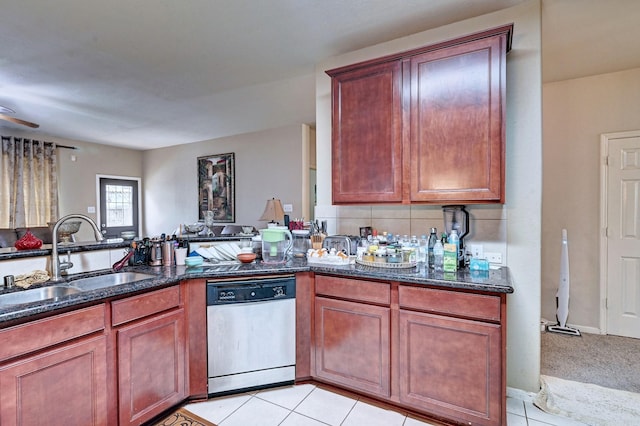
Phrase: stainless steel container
pixel 155 257
pixel 167 253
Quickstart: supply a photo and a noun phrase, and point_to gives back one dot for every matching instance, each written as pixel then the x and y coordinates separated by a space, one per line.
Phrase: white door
pixel 623 234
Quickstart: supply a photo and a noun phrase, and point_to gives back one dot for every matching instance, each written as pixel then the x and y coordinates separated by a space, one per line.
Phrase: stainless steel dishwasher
pixel 251 333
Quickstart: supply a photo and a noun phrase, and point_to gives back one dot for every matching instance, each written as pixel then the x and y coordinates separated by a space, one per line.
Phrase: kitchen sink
pixel 37 294
pixel 109 280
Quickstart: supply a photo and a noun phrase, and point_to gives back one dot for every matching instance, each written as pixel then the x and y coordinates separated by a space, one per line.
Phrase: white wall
pixel 267 165
pixel 576 113
pixel 521 214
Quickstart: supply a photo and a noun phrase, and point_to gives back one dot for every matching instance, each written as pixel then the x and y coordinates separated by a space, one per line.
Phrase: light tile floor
pixel 308 405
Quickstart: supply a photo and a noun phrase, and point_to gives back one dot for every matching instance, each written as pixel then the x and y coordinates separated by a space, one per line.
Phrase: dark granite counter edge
pixel 494 281
pixel 93 246
pixel 63 248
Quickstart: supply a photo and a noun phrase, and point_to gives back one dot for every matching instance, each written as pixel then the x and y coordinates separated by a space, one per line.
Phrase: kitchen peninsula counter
pixel 493 281
pixel 412 328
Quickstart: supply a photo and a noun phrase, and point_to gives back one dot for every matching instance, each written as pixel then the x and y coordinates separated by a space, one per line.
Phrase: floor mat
pixel 591 404
pixel 182 417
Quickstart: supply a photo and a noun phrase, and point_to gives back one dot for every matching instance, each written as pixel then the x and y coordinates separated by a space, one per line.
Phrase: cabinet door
pixel 62 386
pixel 352 345
pixel 457 123
pixel 451 367
pixel 151 367
pixel 367 134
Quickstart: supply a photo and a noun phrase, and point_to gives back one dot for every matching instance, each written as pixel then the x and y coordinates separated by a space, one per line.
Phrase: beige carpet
pixel 604 360
pixel 182 417
pixel 591 404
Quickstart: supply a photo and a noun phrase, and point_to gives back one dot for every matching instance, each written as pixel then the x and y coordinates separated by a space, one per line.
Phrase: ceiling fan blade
pixel 19 121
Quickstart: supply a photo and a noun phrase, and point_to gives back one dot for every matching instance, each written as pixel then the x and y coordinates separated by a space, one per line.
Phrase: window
pixel 119 205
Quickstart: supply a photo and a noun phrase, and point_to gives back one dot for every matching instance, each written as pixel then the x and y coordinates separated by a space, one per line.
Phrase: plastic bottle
pixel 363 247
pixel 433 237
pixel 414 245
pixel 455 239
pixel 423 249
pixel 438 256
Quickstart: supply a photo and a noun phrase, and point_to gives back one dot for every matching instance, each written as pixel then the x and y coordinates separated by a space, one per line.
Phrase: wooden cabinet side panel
pixel 63 386
pixel 151 373
pixel 367 135
pixel 34 335
pixel 352 345
pixel 451 367
pixel 304 316
pixel 457 123
pixel 195 297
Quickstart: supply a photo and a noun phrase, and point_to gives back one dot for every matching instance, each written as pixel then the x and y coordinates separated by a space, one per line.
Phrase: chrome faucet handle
pixel 68 264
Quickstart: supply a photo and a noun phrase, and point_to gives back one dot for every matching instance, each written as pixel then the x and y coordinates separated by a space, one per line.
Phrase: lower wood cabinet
pixel 438 352
pixel 151 364
pixel 451 367
pixel 352 345
pixel 61 386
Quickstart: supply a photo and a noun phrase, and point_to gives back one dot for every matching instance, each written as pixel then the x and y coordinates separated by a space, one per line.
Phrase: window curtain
pixel 28 183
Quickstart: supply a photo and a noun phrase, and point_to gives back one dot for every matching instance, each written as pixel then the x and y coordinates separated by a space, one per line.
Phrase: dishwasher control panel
pixel 250 290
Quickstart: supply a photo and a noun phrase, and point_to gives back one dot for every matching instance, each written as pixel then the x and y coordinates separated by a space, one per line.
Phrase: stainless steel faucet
pixel 56 265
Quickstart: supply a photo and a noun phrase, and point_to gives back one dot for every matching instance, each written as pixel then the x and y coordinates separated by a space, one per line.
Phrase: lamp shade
pixel 273 211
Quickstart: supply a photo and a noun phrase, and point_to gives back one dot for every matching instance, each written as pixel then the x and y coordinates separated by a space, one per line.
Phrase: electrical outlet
pixel 288 208
pixel 494 257
pixel 476 251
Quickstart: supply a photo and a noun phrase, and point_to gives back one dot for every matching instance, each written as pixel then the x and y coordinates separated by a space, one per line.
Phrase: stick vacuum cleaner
pixel 562 296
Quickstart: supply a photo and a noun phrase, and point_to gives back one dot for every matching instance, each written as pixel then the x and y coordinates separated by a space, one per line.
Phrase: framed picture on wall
pixel 216 187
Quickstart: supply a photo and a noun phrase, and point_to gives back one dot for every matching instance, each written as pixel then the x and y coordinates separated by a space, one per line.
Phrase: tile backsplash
pixel 487 223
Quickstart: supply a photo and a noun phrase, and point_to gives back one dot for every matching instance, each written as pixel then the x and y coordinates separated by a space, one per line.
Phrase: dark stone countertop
pixel 493 281
pixel 10 253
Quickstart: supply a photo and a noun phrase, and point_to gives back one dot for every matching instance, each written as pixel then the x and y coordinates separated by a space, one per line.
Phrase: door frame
pixel 132 178
pixel 604 220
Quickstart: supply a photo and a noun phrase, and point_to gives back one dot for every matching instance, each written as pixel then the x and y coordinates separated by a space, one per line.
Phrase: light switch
pixel 91 209
pixel 288 208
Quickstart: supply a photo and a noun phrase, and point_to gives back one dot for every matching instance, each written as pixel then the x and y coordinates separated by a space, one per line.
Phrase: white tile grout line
pixel 252 395
pixel 515 393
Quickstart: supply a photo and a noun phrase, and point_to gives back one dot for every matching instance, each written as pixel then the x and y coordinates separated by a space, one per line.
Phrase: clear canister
pixel 301 242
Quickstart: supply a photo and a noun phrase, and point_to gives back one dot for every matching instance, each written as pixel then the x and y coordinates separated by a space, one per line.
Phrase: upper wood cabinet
pixel 367 134
pixel 423 126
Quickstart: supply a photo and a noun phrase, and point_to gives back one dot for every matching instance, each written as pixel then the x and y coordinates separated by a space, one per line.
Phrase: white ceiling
pixel 152 73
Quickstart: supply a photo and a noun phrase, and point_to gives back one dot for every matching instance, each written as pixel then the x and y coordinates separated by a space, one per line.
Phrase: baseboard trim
pixel 520 394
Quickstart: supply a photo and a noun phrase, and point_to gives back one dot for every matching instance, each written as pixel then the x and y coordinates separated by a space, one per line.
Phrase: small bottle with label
pixel 423 249
pixel 363 247
pixel 414 245
pixel 454 238
pixel 438 256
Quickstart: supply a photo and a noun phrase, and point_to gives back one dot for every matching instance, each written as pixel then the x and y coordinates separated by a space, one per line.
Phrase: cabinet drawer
pixel 29 337
pixel 450 302
pixel 360 290
pixel 137 307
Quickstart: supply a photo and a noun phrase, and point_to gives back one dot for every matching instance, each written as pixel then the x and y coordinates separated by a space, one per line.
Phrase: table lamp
pixel 273 211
